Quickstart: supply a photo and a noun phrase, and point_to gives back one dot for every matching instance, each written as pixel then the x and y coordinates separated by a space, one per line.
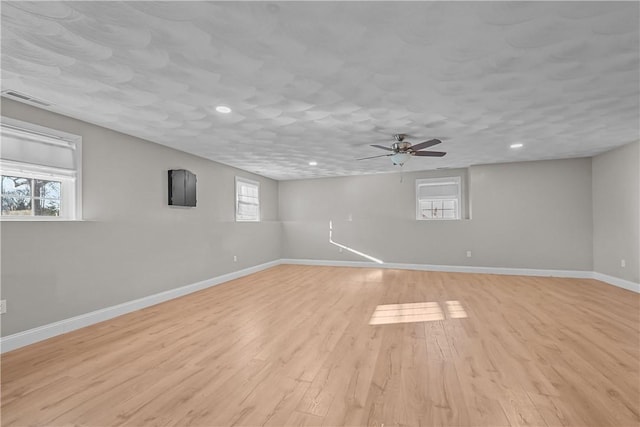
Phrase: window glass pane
pixel 449 214
pixel 426 209
pixel 46 207
pixel 16 186
pixel 439 209
pixel 16 205
pixel 46 189
pixel 247 201
pixel 248 211
pixel 248 191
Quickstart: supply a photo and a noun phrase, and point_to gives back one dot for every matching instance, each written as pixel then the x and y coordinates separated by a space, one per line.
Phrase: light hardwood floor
pixel 292 345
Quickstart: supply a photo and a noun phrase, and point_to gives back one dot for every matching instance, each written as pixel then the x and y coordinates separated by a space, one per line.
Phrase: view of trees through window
pixel 30 196
pixel 439 209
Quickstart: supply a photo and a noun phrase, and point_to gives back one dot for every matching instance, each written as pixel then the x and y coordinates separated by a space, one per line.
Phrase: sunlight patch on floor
pixel 416 312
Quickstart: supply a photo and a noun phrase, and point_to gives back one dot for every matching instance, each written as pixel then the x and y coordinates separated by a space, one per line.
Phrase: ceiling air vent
pixel 18 96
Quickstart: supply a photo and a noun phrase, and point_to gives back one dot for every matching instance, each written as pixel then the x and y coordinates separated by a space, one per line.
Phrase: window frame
pixel 439 181
pixel 71 180
pixel 238 181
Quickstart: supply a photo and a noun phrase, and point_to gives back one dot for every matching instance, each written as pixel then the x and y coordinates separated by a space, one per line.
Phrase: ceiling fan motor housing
pixel 400 146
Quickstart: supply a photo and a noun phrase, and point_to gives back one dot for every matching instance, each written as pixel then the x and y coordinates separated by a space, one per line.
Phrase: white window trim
pixel 437 181
pixel 38 171
pixel 250 182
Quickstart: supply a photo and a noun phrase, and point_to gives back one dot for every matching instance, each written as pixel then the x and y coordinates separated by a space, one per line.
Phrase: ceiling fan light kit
pixel 400 158
pixel 403 150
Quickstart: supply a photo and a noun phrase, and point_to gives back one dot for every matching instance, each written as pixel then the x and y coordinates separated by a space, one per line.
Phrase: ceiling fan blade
pixel 373 157
pixel 425 144
pixel 429 153
pixel 383 147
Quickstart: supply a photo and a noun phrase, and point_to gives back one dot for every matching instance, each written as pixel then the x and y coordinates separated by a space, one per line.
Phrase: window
pixel 247 200
pixel 438 198
pixel 39 172
pixel 30 196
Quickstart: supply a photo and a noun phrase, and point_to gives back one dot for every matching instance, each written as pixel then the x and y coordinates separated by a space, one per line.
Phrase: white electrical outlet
pixel 468 254
pixel 339 249
pixel 235 258
pixel 3 306
pixel 623 263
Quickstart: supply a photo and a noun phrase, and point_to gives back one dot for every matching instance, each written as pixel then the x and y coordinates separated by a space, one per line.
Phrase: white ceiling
pixel 322 80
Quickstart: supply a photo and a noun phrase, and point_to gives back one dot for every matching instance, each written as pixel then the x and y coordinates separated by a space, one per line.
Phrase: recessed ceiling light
pixel 516 145
pixel 313 163
pixel 223 109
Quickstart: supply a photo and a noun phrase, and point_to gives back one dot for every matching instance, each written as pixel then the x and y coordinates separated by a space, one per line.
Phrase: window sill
pixel 43 219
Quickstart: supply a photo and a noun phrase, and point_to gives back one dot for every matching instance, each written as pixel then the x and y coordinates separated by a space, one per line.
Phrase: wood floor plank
pixel 301 419
pixel 293 345
pixel 521 411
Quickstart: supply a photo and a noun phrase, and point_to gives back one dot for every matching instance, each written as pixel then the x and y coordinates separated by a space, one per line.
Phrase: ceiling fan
pixel 403 150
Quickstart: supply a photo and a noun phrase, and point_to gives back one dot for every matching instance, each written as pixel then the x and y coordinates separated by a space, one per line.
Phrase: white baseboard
pixel 20 339
pixel 579 274
pixel 31 336
pixel 576 274
pixel 616 281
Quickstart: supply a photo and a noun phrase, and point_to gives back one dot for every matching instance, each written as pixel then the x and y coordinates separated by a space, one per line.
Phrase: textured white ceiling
pixel 322 80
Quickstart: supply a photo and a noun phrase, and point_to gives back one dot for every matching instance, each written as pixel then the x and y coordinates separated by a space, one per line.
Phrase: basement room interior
pixel 289 213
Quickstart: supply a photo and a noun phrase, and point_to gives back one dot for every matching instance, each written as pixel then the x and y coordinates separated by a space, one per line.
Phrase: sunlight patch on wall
pixel 346 248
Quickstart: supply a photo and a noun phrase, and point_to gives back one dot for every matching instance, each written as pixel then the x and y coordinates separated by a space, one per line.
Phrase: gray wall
pixel 131 244
pixel 550 215
pixel 616 212
pixel 523 215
